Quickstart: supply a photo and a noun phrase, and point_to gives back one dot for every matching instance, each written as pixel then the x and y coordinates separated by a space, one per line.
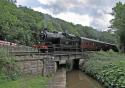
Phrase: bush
pixel 106 67
pixel 8 68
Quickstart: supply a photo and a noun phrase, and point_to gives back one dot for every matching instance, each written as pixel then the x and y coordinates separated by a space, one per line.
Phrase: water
pixel 77 79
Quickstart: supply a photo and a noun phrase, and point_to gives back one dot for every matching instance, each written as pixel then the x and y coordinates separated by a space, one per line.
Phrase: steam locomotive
pixel 62 41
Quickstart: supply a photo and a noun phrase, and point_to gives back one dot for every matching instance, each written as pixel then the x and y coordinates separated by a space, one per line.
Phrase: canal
pixel 77 79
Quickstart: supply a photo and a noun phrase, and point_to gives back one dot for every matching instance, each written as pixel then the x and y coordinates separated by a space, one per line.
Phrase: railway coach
pixel 87 44
pixel 6 43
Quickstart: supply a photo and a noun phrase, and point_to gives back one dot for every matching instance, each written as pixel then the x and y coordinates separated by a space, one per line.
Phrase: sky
pixel 94 13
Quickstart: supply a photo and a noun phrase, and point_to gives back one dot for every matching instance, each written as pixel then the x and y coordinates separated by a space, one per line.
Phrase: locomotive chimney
pixel 45 30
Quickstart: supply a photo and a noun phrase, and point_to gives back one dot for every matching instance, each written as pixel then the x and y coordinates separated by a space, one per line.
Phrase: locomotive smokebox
pixel 54 36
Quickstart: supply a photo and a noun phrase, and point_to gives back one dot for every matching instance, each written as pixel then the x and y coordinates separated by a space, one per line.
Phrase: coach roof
pixel 96 41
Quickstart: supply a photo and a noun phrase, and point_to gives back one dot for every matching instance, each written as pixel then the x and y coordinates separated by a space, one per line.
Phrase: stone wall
pixel 45 66
pixel 31 67
pixel 50 66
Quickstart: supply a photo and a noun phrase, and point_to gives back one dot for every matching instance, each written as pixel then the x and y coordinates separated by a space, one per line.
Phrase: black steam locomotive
pixel 61 41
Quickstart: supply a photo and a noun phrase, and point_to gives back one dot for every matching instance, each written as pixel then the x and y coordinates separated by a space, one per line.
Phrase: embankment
pixel 106 67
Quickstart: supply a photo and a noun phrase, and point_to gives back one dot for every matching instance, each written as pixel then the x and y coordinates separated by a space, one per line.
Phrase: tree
pixel 118 23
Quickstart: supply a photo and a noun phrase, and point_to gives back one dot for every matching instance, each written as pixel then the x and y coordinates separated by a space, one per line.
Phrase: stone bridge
pixel 46 63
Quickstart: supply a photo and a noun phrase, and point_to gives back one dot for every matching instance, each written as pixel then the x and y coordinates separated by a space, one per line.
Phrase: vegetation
pixel 26 82
pixel 23 25
pixel 106 67
pixel 118 23
pixel 8 68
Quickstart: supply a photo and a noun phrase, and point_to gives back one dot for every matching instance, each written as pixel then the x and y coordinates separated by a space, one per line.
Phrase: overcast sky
pixel 95 13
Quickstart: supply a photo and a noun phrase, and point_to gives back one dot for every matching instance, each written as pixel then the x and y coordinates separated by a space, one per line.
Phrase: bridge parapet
pixel 57 56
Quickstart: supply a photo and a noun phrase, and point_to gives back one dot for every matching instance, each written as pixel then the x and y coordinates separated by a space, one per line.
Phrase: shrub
pixel 106 67
pixel 8 67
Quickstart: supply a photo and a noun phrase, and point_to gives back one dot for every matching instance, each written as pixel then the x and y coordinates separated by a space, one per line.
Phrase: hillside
pixel 23 25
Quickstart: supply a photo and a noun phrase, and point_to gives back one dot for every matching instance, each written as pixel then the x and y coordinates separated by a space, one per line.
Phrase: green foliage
pixel 8 68
pixel 119 23
pixel 107 67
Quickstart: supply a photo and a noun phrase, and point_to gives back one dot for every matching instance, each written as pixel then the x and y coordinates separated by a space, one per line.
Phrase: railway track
pixel 38 53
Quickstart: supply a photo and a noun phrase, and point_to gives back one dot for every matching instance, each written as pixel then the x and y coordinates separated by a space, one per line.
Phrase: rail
pixel 50 53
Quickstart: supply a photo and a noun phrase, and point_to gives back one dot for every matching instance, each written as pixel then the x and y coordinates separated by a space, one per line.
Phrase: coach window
pixel 86 43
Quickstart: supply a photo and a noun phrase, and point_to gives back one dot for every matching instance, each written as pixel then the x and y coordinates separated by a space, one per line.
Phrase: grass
pixel 25 82
pixel 106 67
